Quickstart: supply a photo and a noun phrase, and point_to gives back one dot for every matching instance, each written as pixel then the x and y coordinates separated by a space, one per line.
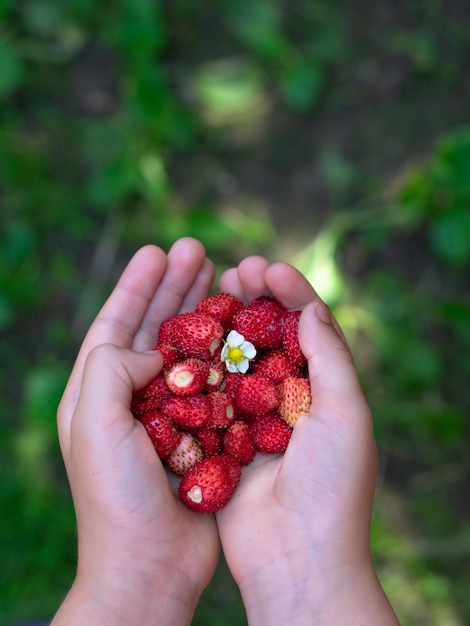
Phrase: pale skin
pixel 296 533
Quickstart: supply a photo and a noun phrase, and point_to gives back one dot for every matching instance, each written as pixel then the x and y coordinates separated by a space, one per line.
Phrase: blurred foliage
pixel 145 121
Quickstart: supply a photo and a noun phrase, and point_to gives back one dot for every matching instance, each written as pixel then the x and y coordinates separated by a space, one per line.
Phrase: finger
pixel 110 375
pixel 201 287
pixel 120 317
pixel 332 449
pixel 335 385
pixel 248 280
pixel 185 260
pixel 289 286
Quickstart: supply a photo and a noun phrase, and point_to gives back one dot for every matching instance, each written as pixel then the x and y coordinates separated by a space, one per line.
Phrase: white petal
pixel 243 366
pixel 234 339
pixel 231 367
pixel 223 354
pixel 248 350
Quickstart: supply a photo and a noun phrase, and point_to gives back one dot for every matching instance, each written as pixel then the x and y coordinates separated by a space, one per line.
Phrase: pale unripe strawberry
pixel 295 399
pixel 186 454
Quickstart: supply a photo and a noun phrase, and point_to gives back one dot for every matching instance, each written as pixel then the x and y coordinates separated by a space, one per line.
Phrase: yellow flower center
pixel 235 354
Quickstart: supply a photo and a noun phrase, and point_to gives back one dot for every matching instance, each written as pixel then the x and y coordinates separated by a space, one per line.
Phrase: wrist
pixel 129 596
pixel 350 594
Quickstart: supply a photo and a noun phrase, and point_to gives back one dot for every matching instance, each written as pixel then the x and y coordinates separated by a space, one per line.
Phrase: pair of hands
pixel 295 534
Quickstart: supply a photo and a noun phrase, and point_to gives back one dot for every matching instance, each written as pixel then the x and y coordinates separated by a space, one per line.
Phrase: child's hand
pixel 143 557
pixel 296 532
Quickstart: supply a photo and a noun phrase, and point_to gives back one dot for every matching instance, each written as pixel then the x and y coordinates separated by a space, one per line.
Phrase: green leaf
pixel 5 8
pixel 453 161
pixel 258 25
pixel 11 72
pixel 301 85
pixel 449 236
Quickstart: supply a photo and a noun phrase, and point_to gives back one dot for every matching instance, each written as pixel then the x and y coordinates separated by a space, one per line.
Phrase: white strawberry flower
pixel 237 353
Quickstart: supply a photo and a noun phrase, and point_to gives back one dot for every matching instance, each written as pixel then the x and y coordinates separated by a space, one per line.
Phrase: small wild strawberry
pixel 215 377
pixel 295 399
pixel 162 432
pixel 238 442
pixel 208 485
pixel 210 440
pixel 290 337
pixel 260 322
pixel 220 306
pixel 196 334
pixel 188 412
pixel 170 355
pixel 187 377
pixel 270 433
pixel 187 453
pixel 276 365
pixel 222 410
pixel 256 395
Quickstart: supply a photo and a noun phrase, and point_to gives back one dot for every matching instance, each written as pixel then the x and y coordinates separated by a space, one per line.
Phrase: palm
pixel 300 500
pixel 131 489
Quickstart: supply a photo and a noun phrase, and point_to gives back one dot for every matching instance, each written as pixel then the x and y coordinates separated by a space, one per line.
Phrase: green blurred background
pixel 332 135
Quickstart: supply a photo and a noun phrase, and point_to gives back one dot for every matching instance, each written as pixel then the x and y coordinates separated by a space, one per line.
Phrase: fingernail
pixel 323 312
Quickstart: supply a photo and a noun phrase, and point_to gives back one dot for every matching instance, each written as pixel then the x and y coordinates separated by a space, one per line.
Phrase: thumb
pixel 332 452
pixel 336 390
pixel 110 376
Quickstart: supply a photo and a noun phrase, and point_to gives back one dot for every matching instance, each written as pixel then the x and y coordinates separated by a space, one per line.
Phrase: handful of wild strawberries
pixel 234 382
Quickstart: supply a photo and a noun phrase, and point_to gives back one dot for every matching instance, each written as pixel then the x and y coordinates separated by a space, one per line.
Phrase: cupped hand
pixel 296 532
pixel 137 541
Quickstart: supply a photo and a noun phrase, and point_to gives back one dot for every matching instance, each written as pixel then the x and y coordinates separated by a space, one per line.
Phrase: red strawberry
pixel 216 375
pixel 295 399
pixel 210 440
pixel 231 380
pixel 260 322
pixel 187 377
pixel 222 307
pixel 186 454
pixel 170 355
pixel 140 406
pixel 256 395
pixel 152 396
pixel 188 411
pixel 164 336
pixel 290 337
pixel 276 365
pixel 209 485
pixel 165 437
pixel 238 442
pixel 196 334
pixel 270 433
pixel 222 410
